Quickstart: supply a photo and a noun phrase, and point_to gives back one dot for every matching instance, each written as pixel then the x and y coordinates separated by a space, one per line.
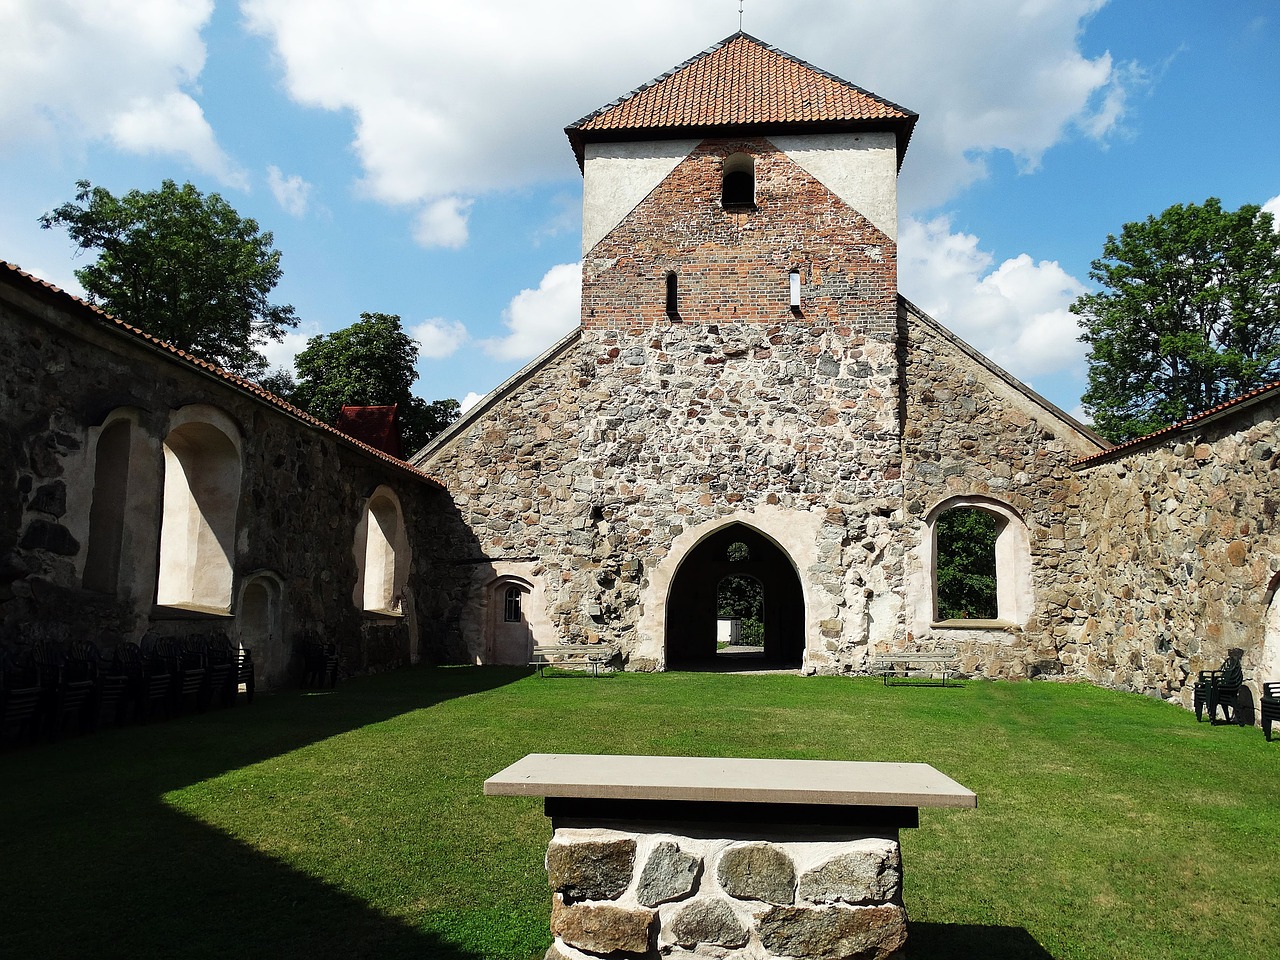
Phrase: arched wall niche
pixel 509 638
pixel 382 555
pixel 202 469
pixel 118 506
pixel 260 625
pixel 1015 596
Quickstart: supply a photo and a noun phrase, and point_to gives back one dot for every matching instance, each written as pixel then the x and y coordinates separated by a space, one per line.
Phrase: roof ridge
pixel 241 383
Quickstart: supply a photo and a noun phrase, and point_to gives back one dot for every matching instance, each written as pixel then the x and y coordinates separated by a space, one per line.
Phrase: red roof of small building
pixel 741 82
pixel 376 426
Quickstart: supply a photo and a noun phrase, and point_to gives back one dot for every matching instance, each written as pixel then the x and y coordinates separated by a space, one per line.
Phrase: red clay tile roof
pixel 741 82
pixel 15 275
pixel 1152 439
pixel 376 426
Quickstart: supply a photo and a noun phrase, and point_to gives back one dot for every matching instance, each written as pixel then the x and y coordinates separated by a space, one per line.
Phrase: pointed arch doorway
pixel 726 560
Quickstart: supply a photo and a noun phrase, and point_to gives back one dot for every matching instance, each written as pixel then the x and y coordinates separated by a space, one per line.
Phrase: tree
pixel 1188 317
pixel 182 266
pixel 966 564
pixel 370 363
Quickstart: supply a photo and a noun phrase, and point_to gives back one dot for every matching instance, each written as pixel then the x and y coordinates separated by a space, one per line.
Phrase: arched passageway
pixel 737 551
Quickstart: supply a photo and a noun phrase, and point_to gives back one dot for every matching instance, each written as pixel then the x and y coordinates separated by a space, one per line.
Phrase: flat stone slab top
pixel 702 779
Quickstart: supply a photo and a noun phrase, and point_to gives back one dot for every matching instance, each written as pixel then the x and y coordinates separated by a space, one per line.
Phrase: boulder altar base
pixel 712 857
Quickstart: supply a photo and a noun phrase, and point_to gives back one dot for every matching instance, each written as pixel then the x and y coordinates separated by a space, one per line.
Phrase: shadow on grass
pixel 963 941
pixel 98 864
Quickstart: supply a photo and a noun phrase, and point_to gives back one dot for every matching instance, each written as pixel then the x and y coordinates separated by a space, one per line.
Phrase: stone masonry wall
pixel 301 496
pixel 1179 556
pixel 613 458
pixel 634 891
pixel 971 434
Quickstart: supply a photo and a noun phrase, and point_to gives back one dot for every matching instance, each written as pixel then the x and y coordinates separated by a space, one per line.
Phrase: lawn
pixel 351 823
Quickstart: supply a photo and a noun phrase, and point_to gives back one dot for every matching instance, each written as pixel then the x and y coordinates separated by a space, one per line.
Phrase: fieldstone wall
pixel 1179 556
pixel 302 493
pixel 973 435
pixel 635 891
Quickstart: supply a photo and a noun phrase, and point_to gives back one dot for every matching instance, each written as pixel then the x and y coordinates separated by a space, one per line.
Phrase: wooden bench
pixel 1270 706
pixel 900 663
pixel 567 655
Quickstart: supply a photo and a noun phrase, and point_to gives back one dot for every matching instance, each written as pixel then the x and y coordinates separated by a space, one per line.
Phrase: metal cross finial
pixel 740 4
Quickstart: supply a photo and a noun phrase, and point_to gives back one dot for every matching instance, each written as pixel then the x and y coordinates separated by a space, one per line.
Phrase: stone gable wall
pixel 1178 559
pixel 971 435
pixel 301 496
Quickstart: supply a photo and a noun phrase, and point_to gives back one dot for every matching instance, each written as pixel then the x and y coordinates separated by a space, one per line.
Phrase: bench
pixel 900 663
pixel 566 655
pixel 1270 706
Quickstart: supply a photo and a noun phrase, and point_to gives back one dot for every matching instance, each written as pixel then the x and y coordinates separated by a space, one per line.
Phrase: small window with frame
pixel 511 612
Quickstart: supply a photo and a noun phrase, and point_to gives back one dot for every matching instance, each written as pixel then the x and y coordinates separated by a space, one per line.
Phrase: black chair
pixel 1270 706
pixel 148 679
pixel 320 663
pixel 221 666
pixel 1220 688
pixel 110 685
pixel 20 692
pixel 68 688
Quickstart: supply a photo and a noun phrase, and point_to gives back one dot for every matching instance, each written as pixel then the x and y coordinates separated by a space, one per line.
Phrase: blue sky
pixel 408 155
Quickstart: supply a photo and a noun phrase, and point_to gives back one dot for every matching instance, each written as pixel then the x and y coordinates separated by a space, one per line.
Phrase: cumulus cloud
pixel 1272 207
pixel 453 101
pixel 443 223
pixel 470 400
pixel 292 192
pixel 438 338
pixel 118 71
pixel 281 354
pixel 535 319
pixel 1017 313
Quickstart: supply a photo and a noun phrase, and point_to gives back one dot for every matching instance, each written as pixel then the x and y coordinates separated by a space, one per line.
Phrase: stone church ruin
pixel 745 374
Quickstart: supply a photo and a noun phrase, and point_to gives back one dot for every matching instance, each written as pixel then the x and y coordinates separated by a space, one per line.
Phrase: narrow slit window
pixel 795 289
pixel 673 294
pixel 738 187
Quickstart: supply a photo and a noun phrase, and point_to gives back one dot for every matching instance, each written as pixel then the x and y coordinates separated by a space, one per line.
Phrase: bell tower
pixel 743 186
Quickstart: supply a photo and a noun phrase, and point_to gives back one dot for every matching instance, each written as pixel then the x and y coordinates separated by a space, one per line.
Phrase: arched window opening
pixel 197 532
pixel 966 564
pixel 740 612
pixel 738 186
pixel 511 605
pixel 978 554
pixel 107 509
pixel 381 555
pixel 673 295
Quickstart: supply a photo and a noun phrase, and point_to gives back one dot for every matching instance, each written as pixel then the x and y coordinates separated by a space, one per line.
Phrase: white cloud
pixel 1016 313
pixel 111 70
pixel 443 223
pixel 470 400
pixel 280 354
pixel 438 338
pixel 538 318
pixel 292 192
pixel 451 101
pixel 1272 207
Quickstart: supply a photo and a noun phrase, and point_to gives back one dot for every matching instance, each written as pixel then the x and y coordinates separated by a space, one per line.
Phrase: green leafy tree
pixel 182 266
pixel 1188 317
pixel 370 363
pixel 966 564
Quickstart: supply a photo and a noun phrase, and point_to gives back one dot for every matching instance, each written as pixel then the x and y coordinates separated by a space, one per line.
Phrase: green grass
pixel 351 823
